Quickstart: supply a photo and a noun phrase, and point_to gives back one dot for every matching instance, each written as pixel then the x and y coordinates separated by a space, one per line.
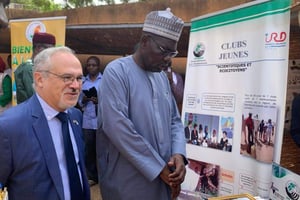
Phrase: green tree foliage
pixel 49 5
pixel 111 2
pixel 108 2
pixel 38 5
pixel 81 3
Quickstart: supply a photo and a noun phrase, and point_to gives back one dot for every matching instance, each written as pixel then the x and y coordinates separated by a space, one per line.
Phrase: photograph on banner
pixel 258 129
pixel 208 180
pixel 209 131
pixel 204 180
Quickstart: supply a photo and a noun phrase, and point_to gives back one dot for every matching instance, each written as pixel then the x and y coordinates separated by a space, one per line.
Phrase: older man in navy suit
pixel 34 161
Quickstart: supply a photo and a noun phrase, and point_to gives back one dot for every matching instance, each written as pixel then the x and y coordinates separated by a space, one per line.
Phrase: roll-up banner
pixel 235 97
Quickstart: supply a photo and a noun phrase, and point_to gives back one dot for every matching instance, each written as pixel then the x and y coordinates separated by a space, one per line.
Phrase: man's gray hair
pixel 42 61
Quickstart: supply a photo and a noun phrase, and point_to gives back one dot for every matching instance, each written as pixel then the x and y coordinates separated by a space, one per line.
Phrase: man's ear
pixel 38 79
pixel 144 40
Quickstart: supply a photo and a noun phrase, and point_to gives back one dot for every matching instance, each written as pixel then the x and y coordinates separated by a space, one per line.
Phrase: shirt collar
pixel 50 113
pixel 98 77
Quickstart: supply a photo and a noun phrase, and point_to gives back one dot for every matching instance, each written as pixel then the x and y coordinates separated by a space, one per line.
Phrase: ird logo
pixel 275 37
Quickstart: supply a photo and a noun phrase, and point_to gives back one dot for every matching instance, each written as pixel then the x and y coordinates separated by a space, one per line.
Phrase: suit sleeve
pixel 5 157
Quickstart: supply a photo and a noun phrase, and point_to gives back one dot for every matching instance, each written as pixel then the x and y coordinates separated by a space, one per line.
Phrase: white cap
pixel 164 23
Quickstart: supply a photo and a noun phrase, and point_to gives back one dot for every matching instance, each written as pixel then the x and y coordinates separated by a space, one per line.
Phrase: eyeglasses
pixel 67 78
pixel 165 52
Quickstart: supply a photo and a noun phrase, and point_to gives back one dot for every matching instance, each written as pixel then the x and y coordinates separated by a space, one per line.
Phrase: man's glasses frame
pixel 164 52
pixel 66 78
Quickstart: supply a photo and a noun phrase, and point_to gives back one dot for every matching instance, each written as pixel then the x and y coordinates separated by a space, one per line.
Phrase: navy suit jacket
pixel 28 162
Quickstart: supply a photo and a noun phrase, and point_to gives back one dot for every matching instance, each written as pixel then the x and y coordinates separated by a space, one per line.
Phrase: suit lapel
pixel 43 134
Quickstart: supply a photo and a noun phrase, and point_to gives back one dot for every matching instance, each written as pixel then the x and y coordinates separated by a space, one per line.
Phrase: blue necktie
pixel 74 180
